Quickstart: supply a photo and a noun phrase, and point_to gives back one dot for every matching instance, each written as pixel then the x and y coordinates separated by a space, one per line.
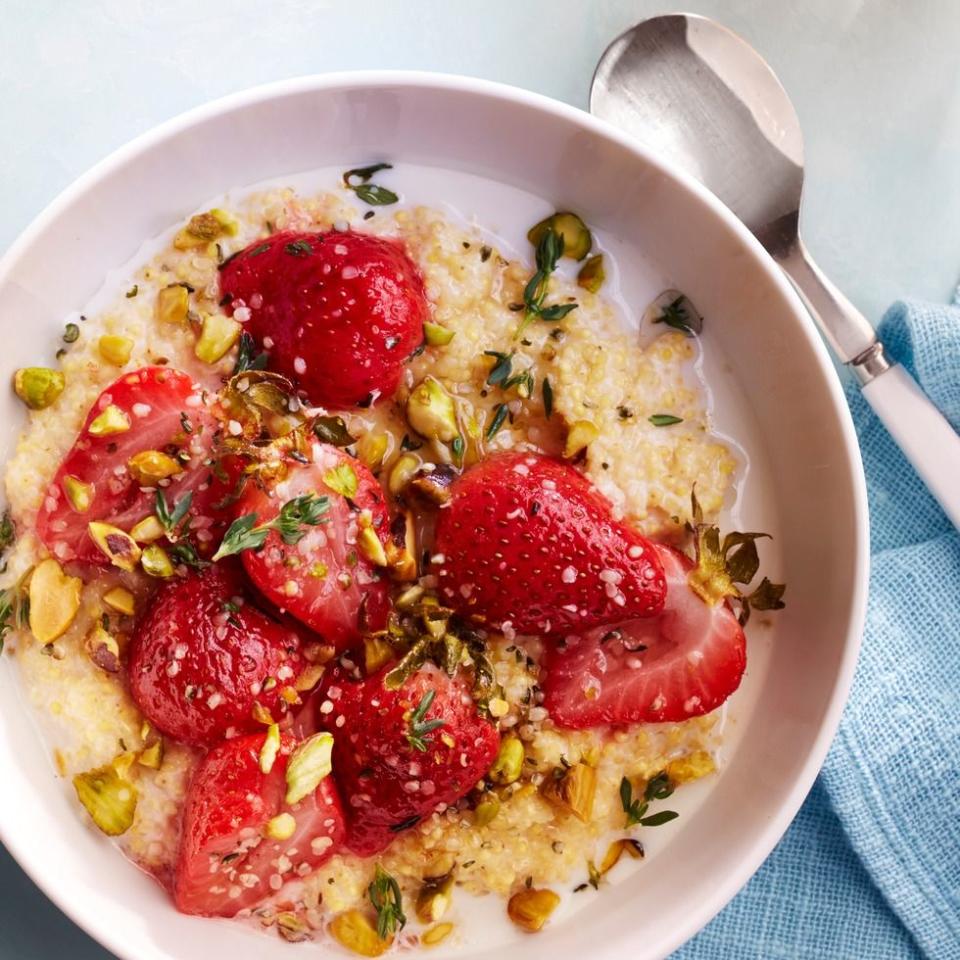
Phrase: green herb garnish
pixel 333 430
pixel 363 174
pixel 14 610
pixel 132 292
pixel 678 315
pixel 499 416
pixel 186 553
pixel 291 522
pixel 171 517
pixel 547 390
pixel 501 369
pixel 418 734
pixel 661 419
pixel 298 248
pixel 387 900
pixel 549 251
pixel 659 788
pixel 375 195
pixel 71 333
pixel 247 356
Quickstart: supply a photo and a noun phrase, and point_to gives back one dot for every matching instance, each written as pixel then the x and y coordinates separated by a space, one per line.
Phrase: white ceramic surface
pixel 772 350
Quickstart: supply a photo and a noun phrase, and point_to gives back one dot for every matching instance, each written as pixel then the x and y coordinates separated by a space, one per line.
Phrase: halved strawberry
pixel 229 858
pixel 395 765
pixel 338 313
pixel 682 664
pixel 203 656
pixel 529 544
pixel 152 409
pixel 328 580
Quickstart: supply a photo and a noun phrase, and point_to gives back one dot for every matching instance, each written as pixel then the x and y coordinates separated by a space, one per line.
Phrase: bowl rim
pixel 771 832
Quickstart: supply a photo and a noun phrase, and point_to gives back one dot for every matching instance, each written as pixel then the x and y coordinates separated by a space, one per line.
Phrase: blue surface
pixel 875 86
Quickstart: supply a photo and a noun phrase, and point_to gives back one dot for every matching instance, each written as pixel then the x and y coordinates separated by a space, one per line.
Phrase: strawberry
pixel 230 856
pixel 326 579
pixel 338 313
pixel 528 544
pixel 402 754
pixel 682 664
pixel 203 656
pixel 152 409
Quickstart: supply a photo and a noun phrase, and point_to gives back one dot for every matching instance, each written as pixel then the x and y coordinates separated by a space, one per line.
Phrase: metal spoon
pixel 704 98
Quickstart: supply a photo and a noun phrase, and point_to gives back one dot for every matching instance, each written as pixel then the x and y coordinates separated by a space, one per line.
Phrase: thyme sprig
pixel 658 788
pixel 419 728
pixel 549 251
pixel 387 900
pixel 295 516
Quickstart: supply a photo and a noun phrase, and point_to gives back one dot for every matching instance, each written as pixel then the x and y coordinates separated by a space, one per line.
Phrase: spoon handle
pixel 916 425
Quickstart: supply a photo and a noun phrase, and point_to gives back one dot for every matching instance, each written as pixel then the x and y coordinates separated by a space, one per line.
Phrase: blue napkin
pixel 871 866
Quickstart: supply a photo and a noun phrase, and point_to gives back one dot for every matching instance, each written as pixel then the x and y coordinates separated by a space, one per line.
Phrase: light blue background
pixel 874 82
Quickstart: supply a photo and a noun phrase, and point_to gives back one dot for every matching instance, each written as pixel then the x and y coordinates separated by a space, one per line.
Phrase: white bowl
pixel 815 482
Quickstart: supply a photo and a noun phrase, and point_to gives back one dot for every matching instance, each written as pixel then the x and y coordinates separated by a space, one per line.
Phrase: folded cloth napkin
pixel 871 866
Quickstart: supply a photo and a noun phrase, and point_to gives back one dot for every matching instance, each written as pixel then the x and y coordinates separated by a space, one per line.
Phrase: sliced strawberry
pixel 529 544
pixel 203 656
pixel 338 313
pixel 166 413
pixel 226 861
pixel 326 580
pixel 388 783
pixel 682 664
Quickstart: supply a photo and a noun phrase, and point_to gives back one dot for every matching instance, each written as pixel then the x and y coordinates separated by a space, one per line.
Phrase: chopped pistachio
pixel 152 755
pixel 109 421
pixel 281 827
pixel 148 467
pixel 377 653
pixel 118 546
pixel 573 788
pixel 38 387
pixel 173 304
pixel 147 530
pixel 292 928
pixel 577 240
pixel 692 767
pixel 409 598
pixel 433 900
pixel 115 350
pixel 78 493
pixel 401 547
pixel 218 334
pixel 371 449
pixel 102 648
pixel 530 908
pixel 203 228
pixel 580 435
pixel 616 850
pixel 371 547
pixel 592 274
pixel 353 930
pixel 434 487
pixel 437 335
pixel 402 473
pixel 54 600
pixel 308 765
pixel 270 748
pixel 121 600
pixel 486 810
pixel 509 762
pixel 436 934
pixel 156 562
pixel 309 677
pixel 432 412
pixel 109 798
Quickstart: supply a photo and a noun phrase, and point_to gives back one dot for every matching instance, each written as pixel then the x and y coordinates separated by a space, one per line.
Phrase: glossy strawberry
pixel 529 544
pixel 327 580
pixel 151 409
pixel 203 656
pixel 227 858
pixel 338 313
pixel 682 664
pixel 394 767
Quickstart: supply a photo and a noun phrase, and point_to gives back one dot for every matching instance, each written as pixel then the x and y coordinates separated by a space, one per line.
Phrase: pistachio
pixel 401 547
pixel 270 748
pixel 486 810
pixel 530 908
pixel 281 827
pixel 437 335
pixel 121 600
pixel 151 756
pixel 173 304
pixel 432 412
pixel 147 530
pixel 109 421
pixel 433 900
pixel 377 653
pixel 401 473
pixel 433 488
pixel 38 387
pixel 409 598
pixel 354 931
pixel 436 934
pixel 292 928
pixel 371 449
pixel 109 798
pixel 218 334
pixel 116 544
pixel 156 562
pixel 592 274
pixel 203 228
pixel 509 762
pixel 692 767
pixel 371 547
pixel 309 677
pixel 577 240
pixel 580 435
pixel 633 849
pixel 79 494
pixel 115 350
pixel 308 765
pixel 572 788
pixel 102 648
pixel 149 467
pixel 54 600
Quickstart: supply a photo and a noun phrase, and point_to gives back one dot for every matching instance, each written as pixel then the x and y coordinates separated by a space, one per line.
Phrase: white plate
pixel 783 387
